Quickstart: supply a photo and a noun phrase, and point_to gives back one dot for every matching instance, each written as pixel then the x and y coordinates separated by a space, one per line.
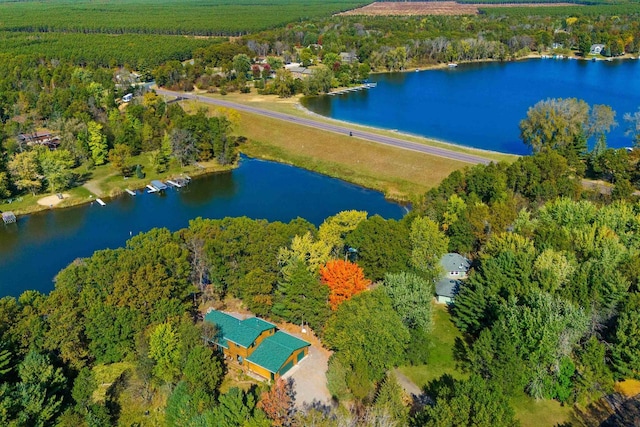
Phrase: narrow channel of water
pixel 39 245
pixel 481 105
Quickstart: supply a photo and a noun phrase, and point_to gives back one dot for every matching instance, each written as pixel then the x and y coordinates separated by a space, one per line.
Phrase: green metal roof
pixel 241 332
pixel 273 351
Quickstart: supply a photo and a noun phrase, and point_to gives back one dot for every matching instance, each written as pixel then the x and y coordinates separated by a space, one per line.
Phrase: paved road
pixel 336 128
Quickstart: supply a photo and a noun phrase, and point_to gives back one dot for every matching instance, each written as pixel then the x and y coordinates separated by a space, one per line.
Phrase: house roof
pixel 300 70
pixel 447 287
pixel 454 262
pixel 241 332
pixel 274 351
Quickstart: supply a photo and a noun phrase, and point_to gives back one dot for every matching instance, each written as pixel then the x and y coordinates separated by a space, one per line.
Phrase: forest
pixel 199 17
pixel 552 296
pixel 550 310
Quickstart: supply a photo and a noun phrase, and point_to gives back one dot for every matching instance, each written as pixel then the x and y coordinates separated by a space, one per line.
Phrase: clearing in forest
pixel 435 8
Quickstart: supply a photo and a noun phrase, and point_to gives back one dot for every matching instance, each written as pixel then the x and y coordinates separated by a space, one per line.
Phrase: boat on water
pixel 452 65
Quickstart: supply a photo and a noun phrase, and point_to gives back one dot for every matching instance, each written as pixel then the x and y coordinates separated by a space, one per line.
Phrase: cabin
pixel 348 57
pixel 596 49
pixel 454 267
pixel 300 72
pixel 42 137
pixel 256 345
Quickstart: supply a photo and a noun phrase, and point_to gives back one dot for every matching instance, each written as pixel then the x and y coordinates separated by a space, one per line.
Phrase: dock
pixel 179 182
pixel 133 193
pixel 353 89
pixel 100 202
pixel 158 185
pixel 8 217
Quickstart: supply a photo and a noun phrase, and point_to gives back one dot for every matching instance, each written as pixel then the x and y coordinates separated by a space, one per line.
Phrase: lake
pixel 34 249
pixel 480 105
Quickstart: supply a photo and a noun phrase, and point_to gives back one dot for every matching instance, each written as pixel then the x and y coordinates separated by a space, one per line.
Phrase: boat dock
pixel 156 186
pixel 8 217
pixel 353 89
pixel 100 202
pixel 179 182
pixel 133 193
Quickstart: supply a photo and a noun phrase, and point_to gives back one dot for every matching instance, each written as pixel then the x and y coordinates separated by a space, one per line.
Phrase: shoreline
pixel 71 200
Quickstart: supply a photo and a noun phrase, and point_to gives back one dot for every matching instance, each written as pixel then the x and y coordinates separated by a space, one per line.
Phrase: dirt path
pixel 93 185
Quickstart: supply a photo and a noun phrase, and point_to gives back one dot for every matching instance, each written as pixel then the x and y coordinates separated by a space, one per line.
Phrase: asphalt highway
pixel 336 128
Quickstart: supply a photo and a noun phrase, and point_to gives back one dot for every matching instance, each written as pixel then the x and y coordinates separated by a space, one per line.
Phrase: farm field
pixel 436 8
pixel 195 17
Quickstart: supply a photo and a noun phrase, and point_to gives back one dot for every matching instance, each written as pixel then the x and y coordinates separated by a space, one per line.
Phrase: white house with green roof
pixel 257 345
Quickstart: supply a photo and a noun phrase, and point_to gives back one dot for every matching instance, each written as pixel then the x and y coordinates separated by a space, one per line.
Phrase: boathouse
pixel 256 345
pixel 8 217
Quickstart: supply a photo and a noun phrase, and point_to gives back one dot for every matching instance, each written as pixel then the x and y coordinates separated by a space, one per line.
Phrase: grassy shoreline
pixel 106 183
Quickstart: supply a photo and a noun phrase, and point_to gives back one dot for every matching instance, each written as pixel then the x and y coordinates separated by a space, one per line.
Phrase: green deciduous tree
pixel 366 327
pixel 411 297
pixel 383 246
pixel 119 156
pixel 461 403
pixel 56 167
pixel 25 171
pixel 164 349
pixel 97 143
pixel 428 244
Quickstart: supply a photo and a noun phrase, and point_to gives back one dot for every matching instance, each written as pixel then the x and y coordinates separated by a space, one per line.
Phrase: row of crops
pixel 195 17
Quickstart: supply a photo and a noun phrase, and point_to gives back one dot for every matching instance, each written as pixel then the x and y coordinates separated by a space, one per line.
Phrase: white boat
pixel 452 65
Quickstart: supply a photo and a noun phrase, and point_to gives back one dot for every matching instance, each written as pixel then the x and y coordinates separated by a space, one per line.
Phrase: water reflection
pixel 38 246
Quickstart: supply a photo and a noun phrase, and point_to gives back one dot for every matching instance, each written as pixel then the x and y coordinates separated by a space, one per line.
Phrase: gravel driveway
pixel 310 381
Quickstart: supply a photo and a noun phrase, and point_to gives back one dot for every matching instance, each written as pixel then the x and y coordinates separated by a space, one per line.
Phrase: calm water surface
pixel 480 105
pixel 38 246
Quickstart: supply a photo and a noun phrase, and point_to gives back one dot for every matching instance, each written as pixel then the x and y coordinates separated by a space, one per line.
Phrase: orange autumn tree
pixel 344 279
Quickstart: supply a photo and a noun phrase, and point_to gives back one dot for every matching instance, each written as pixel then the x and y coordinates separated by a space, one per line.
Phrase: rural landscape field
pixel 298 213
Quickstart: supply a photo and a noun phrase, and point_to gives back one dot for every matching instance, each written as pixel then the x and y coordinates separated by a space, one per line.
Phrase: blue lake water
pixel 38 246
pixel 481 105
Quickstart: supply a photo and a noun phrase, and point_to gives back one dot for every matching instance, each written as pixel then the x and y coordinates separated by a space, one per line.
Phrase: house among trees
pixel 300 72
pixel 257 345
pixel 42 137
pixel 596 49
pixel 348 57
pixel 455 268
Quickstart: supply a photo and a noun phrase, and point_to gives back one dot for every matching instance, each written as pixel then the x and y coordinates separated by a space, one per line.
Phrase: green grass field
pixel 441 351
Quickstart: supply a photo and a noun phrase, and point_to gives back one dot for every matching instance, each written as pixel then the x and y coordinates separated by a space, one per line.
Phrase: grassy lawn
pixel 534 413
pixel 441 354
pixel 399 174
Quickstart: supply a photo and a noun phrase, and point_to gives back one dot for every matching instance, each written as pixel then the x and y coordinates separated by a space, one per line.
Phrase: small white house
pixel 127 98
pixel 596 49
pixel 455 267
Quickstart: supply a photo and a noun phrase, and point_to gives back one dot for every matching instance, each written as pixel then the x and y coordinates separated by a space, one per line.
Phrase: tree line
pixel 78 105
